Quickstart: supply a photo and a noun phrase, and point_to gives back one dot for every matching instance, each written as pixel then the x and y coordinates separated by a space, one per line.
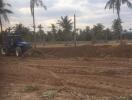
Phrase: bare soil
pixel 59 74
pixel 98 51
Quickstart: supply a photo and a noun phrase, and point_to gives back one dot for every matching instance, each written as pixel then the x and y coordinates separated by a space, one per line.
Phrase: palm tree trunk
pixel 120 35
pixel 34 27
pixel 120 31
pixel 1 28
pixel 1 25
pixel 75 37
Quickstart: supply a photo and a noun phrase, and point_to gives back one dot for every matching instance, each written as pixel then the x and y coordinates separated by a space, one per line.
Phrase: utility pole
pixel 75 35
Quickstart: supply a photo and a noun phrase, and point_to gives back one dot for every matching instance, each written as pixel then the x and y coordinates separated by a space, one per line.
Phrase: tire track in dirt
pixel 86 77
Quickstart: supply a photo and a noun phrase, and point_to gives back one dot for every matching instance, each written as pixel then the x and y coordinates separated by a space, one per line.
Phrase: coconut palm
pixel 4 11
pixel 116 5
pixel 66 24
pixel 34 3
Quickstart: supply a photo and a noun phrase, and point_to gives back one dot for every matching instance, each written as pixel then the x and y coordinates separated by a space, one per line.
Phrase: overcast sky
pixel 89 13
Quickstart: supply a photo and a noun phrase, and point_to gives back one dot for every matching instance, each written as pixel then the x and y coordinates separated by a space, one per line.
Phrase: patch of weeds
pixel 49 94
pixel 122 98
pixel 31 88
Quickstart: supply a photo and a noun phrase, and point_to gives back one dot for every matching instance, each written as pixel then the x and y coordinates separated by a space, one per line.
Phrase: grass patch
pixel 31 88
pixel 49 94
pixel 122 98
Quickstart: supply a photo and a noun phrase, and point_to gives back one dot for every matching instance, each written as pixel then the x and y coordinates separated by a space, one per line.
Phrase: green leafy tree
pixel 116 27
pixel 41 36
pixel 4 11
pixel 54 32
pixel 107 34
pixel 34 3
pixel 60 36
pixel 116 5
pixel 97 31
pixel 49 36
pixel 23 31
pixel 85 35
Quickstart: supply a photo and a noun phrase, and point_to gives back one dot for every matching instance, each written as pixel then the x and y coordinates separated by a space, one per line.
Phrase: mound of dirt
pixel 83 51
pixel 34 53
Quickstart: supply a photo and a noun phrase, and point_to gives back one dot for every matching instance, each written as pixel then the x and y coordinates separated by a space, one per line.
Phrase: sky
pixel 88 12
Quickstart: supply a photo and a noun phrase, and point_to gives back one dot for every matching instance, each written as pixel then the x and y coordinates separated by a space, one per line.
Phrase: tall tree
pixel 85 34
pixel 23 31
pixel 4 11
pixel 34 3
pixel 41 34
pixel 116 27
pixel 116 5
pixel 107 34
pixel 97 31
pixel 54 31
pixel 66 24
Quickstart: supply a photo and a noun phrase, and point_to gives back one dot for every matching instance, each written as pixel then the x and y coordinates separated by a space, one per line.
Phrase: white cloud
pixel 89 12
pixel 24 11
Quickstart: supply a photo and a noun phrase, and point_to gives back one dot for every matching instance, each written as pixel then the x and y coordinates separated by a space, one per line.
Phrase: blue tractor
pixel 14 44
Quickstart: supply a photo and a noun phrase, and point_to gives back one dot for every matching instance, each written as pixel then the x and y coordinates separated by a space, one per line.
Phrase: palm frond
pixel 7 4
pixel 110 5
pixel 6 19
pixel 32 6
pixel 37 3
pixel 40 3
pixel 65 23
pixel 4 11
pixel 7 11
pixel 129 4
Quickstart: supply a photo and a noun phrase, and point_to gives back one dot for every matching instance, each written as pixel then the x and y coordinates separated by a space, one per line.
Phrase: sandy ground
pixel 65 78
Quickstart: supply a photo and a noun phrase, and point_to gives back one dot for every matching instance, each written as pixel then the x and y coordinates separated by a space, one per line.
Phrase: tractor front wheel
pixel 18 51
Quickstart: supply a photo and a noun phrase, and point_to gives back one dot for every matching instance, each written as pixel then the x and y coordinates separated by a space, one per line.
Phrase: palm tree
pixel 54 32
pixel 4 13
pixel 34 3
pixel 116 5
pixel 66 25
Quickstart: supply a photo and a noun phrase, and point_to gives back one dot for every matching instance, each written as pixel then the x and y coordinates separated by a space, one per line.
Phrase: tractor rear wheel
pixel 18 51
pixel 4 51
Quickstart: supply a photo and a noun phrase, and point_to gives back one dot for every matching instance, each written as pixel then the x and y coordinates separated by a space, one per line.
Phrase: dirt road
pixel 64 79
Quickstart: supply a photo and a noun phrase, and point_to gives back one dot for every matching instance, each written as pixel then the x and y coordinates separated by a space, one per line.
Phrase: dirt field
pixel 65 78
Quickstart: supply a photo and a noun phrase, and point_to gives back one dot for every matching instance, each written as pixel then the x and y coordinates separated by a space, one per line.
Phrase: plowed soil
pixel 83 51
pixel 67 75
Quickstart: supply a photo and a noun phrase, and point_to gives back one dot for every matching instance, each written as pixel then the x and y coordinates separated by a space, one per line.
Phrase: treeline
pixel 63 31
